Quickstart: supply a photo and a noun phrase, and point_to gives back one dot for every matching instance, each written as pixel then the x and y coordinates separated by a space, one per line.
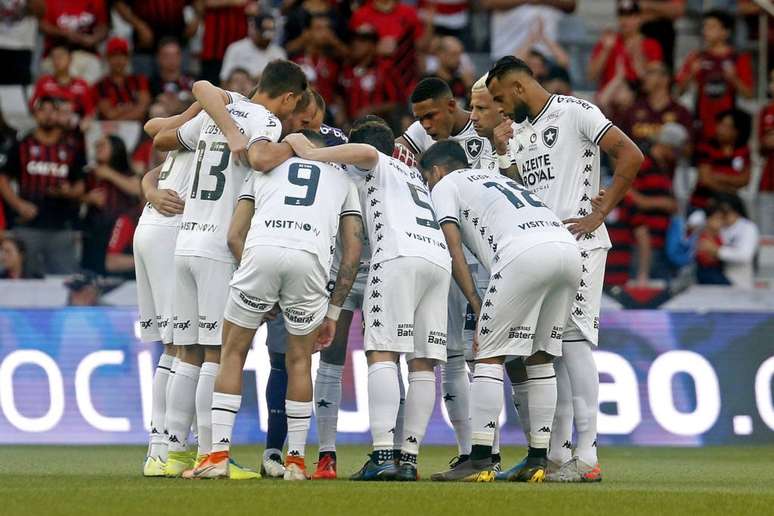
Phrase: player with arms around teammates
pixel 556 145
pixel 203 262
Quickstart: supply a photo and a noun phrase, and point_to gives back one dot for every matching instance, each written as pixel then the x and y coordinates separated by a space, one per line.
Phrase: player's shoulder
pixel 571 103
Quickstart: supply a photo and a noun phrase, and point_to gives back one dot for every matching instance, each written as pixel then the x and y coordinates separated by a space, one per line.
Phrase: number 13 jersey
pixel 399 214
pixel 217 179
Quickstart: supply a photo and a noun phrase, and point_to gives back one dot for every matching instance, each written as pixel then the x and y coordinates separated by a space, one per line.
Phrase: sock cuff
pixel 166 361
pixel 209 369
pixel 175 363
pixel 378 366
pixel 228 402
pixel 334 368
pixel 421 376
pixel 541 372
pixel 455 363
pixel 189 370
pixel 489 373
pixel 298 409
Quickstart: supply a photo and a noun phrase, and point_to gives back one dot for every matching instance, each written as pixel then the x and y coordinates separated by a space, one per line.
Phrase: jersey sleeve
pixel 247 190
pixel 235 96
pixel 263 127
pixel 417 138
pixel 446 201
pixel 591 123
pixel 351 202
pixel 188 133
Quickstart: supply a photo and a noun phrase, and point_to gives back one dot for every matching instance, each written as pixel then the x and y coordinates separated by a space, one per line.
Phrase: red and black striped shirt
pixel 116 201
pixel 366 88
pixel 653 180
pixel 39 168
pixel 222 26
pixel 121 93
pixel 722 161
pixel 165 18
pixel 619 258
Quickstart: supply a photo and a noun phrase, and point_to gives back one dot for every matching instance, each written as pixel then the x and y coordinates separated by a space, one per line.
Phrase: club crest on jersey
pixel 550 135
pixel 473 146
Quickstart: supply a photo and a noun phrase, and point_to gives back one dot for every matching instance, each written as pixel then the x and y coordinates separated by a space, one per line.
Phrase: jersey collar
pixel 533 121
pixel 464 128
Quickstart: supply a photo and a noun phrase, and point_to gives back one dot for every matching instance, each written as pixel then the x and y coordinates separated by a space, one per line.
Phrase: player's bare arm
pixel 214 101
pixel 460 269
pixel 240 225
pixel 628 159
pixel 155 125
pixel 263 155
pixel 361 155
pixel 164 200
pixel 351 233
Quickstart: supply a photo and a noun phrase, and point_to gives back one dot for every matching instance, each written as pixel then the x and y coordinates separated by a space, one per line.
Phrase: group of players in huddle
pixel 474 242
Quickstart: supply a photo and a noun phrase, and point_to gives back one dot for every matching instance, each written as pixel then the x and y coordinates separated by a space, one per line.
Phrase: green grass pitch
pixel 86 481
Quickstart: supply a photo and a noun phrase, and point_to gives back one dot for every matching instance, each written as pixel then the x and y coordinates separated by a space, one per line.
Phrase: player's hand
pixel 596 202
pixel 27 211
pixel 325 334
pixel 585 225
pixel 166 202
pixel 300 144
pixel 502 135
pixel 237 143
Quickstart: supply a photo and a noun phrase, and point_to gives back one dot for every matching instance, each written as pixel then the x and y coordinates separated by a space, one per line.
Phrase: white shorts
pixel 405 308
pixel 583 323
pixel 356 294
pixel 528 301
pixel 154 259
pixel 269 275
pixel 201 290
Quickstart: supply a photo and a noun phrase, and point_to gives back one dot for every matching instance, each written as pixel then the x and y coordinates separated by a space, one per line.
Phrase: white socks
pixel 158 442
pixel 542 403
pixel 521 404
pixel 397 435
pixel 560 449
pixel 299 414
pixel 204 390
pixel 584 379
pixel 486 400
pixel 420 401
pixel 383 403
pixel 456 397
pixel 224 412
pixel 180 409
pixel 327 397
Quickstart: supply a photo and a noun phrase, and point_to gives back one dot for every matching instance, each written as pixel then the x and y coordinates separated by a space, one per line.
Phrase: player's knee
pixel 193 354
pixel 421 364
pixel 517 372
pixel 170 349
pixel 212 354
pixel 541 357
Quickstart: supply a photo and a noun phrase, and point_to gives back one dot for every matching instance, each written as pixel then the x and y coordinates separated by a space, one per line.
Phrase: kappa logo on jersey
pixel 550 136
pixel 491 425
pixel 474 146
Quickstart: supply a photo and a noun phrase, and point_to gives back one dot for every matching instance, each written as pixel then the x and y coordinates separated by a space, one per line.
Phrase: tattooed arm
pixel 460 269
pixel 351 233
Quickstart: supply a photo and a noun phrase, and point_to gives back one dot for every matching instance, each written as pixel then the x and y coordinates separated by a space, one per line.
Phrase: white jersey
pixel 558 158
pixel 399 214
pixel 298 205
pixel 175 175
pixel 217 180
pixel 365 256
pixel 478 149
pixel 498 218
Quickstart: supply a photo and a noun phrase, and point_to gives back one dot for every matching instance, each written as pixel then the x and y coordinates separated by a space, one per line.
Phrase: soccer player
pixel 405 305
pixel 535 266
pixel 556 143
pixel 294 214
pixel 223 140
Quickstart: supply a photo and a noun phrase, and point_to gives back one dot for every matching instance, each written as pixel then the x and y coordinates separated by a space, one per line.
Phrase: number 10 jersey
pixel 400 216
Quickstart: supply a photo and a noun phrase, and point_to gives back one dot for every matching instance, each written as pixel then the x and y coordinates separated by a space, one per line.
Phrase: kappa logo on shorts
pixel 376 323
pixel 375 280
pixel 378 226
pixel 374 202
pixel 494 247
pixel 488 303
pixel 482 230
pixel 584 269
pixel 377 214
pixel 586 182
pixel 550 136
pixel 379 238
pixel 369 178
pixel 377 266
pixel 375 295
pixel 545 429
pixel 497 276
pixel 182 325
pixel 582 212
pixel 485 317
pixel 474 146
pixel 371 189
pixel 582 283
pixel 146 324
pixel 587 169
pixel 375 309
pixel 493 289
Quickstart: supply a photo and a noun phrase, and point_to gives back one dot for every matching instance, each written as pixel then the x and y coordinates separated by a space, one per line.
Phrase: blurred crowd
pixel 70 203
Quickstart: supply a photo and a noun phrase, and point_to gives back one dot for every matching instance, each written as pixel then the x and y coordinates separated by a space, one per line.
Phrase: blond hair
pixel 480 84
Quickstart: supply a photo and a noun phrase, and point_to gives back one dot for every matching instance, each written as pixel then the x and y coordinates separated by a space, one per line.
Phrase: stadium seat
pixel 15 107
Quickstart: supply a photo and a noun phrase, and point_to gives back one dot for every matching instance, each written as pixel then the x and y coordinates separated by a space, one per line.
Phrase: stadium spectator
pixel 319 57
pixel 618 96
pixel 542 53
pixel 765 198
pixel 365 84
pixel 558 81
pixel 63 86
pixel 121 95
pixel 709 270
pixel 82 24
pixel 653 203
pixel 111 189
pixel 169 84
pixel 627 48
pixel 724 161
pixel 13 259
pixel 619 257
pixel 239 80
pixel 401 36
pixel 7 145
pixel 450 67
pixel 19 19
pixel 448 17
pixel 255 51
pixel 47 167
pixel 750 10
pixel 83 290
pixel 717 70
pixel 658 22
pixel 654 107
pixel 153 22
pixel 297 25
pixel 119 259
pixel 225 21
pixel 512 20
pixel 145 157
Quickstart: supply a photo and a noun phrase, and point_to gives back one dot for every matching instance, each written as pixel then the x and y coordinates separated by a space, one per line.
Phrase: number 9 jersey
pixel 217 179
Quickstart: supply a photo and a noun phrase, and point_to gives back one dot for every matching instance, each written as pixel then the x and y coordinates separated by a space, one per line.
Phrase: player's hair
pixel 304 101
pixel 280 77
pixel 313 136
pixel 431 88
pixel 374 131
pixel 724 18
pixel 318 99
pixel 506 65
pixel 480 84
pixel 445 153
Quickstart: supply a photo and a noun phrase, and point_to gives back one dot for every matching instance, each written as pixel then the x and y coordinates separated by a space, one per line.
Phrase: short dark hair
pixel 61 43
pixel 318 99
pixel 280 77
pixel 431 88
pixel 168 40
pixel 742 123
pixel 730 202
pixel 506 65
pixel 373 131
pixel 724 18
pixel 447 153
pixel 304 101
pixel 313 136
